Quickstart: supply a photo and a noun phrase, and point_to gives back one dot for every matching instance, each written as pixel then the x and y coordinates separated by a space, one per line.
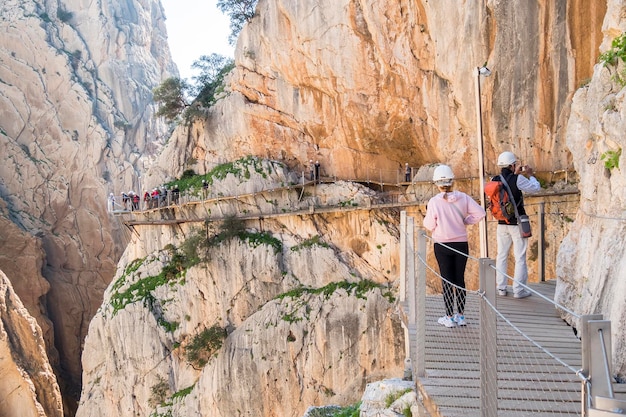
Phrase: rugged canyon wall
pixel 75 119
pixel 592 259
pixel 301 306
pixel 362 86
pixel 28 386
pixel 365 86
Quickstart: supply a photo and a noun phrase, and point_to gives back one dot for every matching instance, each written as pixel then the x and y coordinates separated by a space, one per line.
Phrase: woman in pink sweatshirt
pixel 447 215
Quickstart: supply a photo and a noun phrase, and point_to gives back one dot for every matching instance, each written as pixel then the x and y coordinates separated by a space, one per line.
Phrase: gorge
pixel 353 84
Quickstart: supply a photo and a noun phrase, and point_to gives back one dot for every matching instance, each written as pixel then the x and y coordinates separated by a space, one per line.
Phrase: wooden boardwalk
pixel 530 381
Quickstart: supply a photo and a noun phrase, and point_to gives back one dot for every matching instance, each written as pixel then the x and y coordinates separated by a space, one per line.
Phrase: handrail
pixel 488 386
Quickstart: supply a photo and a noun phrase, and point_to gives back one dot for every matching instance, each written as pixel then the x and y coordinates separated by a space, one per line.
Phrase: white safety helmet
pixel 443 176
pixel 506 158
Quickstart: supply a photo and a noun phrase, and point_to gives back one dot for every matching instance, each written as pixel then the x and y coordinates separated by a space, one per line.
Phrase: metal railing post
pixel 488 341
pixel 419 360
pixel 541 243
pixel 593 361
pixel 410 270
pixel 403 256
pixel 586 353
pixel 403 285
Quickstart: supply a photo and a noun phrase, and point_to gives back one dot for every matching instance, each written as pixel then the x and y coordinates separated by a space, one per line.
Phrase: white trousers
pixel 507 235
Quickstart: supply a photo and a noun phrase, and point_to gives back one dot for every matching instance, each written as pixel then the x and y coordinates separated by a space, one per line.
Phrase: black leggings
pixel 452 268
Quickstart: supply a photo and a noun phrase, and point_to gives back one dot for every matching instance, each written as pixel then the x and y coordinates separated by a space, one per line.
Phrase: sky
pixel 195 28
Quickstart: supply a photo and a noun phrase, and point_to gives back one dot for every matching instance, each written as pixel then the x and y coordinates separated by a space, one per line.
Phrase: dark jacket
pixel 511 179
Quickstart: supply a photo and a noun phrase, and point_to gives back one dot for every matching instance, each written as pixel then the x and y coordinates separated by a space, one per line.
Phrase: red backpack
pixel 500 204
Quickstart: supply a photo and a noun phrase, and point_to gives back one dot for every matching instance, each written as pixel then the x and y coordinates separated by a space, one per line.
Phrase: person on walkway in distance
pixel 135 201
pixel 205 189
pixel 520 179
pixel 407 172
pixel 111 205
pixel 175 194
pixel 447 216
pixel 317 171
pixel 125 200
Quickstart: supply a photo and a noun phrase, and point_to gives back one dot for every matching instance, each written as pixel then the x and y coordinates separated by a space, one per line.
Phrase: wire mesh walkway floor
pixel 530 382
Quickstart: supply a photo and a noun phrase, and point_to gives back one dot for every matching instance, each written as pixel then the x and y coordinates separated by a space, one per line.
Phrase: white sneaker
pixel 446 321
pixel 522 294
pixel 502 293
pixel 459 320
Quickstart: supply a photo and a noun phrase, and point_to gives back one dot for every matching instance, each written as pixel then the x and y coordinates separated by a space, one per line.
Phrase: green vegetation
pixel 240 12
pixel 349 411
pixel 210 83
pixel 348 203
pixel 394 396
pixel 157 311
pixel 204 345
pixel 182 393
pixel 171 96
pixel 240 168
pixel 159 392
pixel 611 159
pixel 174 95
pixel 358 289
pixel 614 55
pixel 141 290
pixel 262 238
pixel 131 268
pixel 314 241
pixel 196 248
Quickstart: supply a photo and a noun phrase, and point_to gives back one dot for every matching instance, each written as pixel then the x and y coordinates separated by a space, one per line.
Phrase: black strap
pixel 508 190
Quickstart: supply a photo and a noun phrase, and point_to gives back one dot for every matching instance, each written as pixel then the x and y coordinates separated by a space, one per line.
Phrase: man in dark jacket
pixel 520 179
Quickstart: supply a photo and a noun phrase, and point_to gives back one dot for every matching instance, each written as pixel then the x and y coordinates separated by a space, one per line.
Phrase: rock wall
pixel 28 385
pixel 361 86
pixel 75 120
pixel 592 259
pixel 365 86
pixel 307 313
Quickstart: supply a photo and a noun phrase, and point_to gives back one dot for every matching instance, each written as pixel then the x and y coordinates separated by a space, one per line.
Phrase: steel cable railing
pixel 534 373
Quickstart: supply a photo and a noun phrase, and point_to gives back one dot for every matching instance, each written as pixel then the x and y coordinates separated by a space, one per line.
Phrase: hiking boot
pixel 446 321
pixel 522 294
pixel 459 320
pixel 502 293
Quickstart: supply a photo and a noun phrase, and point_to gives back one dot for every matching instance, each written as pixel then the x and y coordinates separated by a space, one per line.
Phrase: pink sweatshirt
pixel 448 224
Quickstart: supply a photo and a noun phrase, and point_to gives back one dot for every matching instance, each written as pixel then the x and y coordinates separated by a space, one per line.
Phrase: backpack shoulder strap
pixel 505 182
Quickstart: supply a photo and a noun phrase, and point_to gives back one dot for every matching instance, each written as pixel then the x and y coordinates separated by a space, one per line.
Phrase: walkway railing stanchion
pixel 420 299
pixel 488 341
pixel 586 360
pixel 403 257
pixel 541 243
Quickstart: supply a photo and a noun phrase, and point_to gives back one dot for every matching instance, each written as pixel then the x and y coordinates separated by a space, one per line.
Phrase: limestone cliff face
pixel 303 301
pixel 367 85
pixel 22 257
pixel 28 385
pixel 592 260
pixel 75 118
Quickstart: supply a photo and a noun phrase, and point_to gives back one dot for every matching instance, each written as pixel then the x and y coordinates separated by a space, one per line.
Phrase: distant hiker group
pixel 161 197
pixel 155 198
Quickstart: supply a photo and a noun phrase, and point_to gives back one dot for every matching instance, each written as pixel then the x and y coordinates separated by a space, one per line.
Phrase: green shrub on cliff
pixel 204 345
pixel 614 55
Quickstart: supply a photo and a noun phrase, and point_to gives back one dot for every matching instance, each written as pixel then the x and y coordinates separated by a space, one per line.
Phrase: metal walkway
pixel 527 384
